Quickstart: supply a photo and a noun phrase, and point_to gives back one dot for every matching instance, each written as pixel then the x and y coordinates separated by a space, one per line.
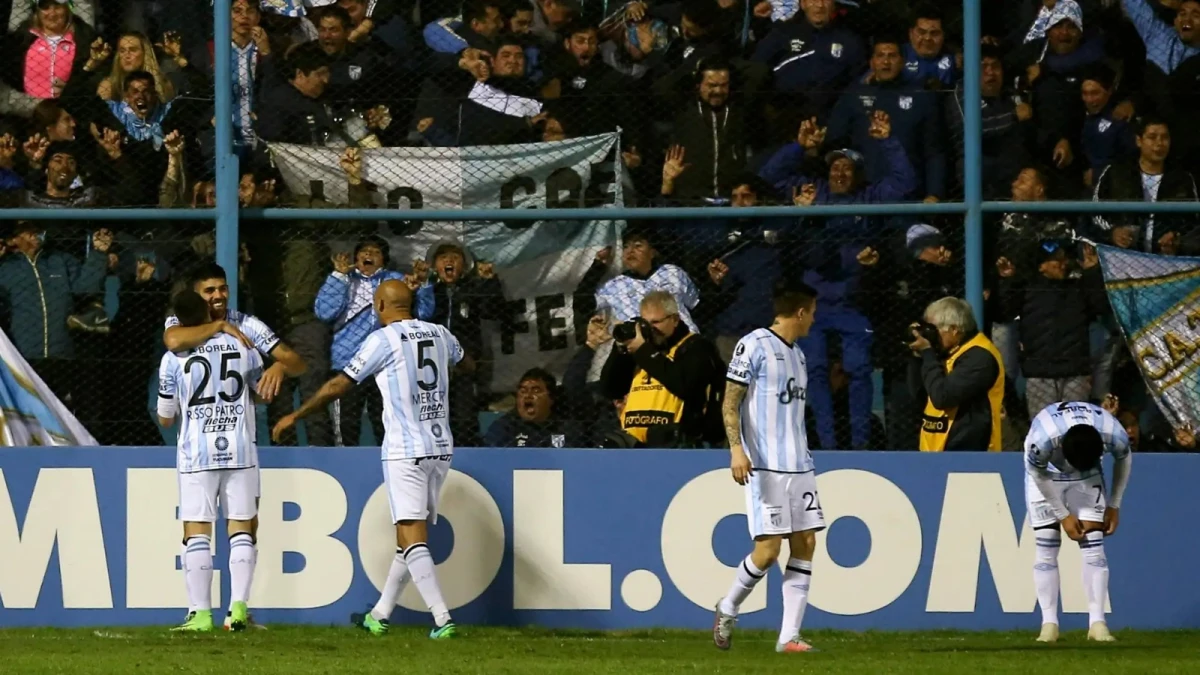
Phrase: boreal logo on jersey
pixel 790 392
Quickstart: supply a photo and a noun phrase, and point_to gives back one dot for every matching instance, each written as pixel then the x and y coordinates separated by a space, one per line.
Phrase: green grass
pixel 297 650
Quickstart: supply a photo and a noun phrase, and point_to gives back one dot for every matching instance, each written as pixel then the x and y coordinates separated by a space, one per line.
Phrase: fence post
pixel 972 142
pixel 226 160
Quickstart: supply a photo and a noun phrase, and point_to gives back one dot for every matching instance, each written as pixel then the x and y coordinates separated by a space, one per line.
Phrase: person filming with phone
pixel 959 372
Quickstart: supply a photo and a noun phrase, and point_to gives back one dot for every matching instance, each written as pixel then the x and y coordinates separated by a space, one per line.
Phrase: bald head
pixel 393 301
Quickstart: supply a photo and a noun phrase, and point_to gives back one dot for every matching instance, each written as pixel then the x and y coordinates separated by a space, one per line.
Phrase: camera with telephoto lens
pixel 626 331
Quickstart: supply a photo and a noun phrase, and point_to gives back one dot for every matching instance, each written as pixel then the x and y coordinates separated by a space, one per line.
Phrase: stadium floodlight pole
pixel 226 160
pixel 972 146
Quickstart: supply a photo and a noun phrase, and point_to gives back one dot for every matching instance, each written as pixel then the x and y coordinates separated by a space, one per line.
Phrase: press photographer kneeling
pixel 960 373
pixel 671 378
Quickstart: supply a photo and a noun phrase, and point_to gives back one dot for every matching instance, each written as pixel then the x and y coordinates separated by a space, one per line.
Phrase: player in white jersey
pixel 411 362
pixel 764 421
pixel 209 281
pixel 211 388
pixel 1064 486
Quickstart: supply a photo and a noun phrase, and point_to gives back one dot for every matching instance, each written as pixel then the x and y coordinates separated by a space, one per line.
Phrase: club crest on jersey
pixel 579 82
pixel 912 66
pixel 558 440
pixel 355 72
pixel 867 101
pixel 796 45
pixel 836 50
pixel 944 64
pixel 1104 125
pixel 906 102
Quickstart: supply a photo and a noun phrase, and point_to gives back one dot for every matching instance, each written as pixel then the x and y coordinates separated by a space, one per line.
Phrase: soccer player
pixel 208 279
pixel 410 361
pixel 764 421
pixel 1064 487
pixel 212 385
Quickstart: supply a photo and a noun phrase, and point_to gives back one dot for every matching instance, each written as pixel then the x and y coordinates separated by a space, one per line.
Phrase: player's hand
pixel 271 382
pixel 230 329
pixel 282 427
pixel 1073 528
pixel 1112 516
pixel 740 466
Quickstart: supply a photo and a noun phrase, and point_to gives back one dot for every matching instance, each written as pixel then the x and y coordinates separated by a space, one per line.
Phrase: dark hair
pixel 509 40
pixel 888 39
pixel 542 375
pixel 1146 121
pixel 62 148
pixel 713 64
pixel 205 271
pixel 336 11
pixel 509 8
pixel 1100 73
pixel 991 52
pixel 476 10
pixel 190 308
pixel 789 298
pixel 379 243
pixel 579 26
pixel 306 58
pixel 1082 447
pixel 45 115
pixel 760 187
pixel 926 10
pixel 706 14
pixel 138 76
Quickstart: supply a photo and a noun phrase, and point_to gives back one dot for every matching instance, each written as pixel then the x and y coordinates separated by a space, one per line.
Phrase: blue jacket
pixel 916 123
pixel 832 247
pixel 919 70
pixel 1106 141
pixel 805 60
pixel 41 293
pixel 333 303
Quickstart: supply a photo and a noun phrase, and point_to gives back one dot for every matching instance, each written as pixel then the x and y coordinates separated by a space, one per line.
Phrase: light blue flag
pixel 1156 302
pixel 30 414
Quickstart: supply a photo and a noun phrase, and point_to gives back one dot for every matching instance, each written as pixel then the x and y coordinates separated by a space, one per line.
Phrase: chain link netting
pixel 518 104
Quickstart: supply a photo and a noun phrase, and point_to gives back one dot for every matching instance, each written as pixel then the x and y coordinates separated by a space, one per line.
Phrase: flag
pixel 30 414
pixel 1156 302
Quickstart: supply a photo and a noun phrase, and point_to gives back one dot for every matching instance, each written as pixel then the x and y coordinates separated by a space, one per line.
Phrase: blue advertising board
pixel 584 538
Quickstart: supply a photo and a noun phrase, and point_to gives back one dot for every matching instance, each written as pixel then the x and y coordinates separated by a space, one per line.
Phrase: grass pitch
pixel 296 650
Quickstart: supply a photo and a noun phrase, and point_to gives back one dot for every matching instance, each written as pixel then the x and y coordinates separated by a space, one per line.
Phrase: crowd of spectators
pixel 805 102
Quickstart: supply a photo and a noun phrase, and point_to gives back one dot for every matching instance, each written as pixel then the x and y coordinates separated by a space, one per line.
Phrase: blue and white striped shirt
pixel 411 362
pixel 773 432
pixel 252 327
pixel 214 385
pixel 1043 444
pixel 623 294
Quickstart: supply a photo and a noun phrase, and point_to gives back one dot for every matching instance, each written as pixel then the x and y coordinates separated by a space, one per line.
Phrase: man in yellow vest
pixel 961 374
pixel 671 378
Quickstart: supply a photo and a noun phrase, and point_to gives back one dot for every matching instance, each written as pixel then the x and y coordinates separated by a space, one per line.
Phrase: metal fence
pixel 743 143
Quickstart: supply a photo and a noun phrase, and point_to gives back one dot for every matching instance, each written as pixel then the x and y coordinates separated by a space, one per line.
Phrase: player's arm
pixel 168 393
pixel 288 360
pixel 731 413
pixel 179 338
pixel 1037 465
pixel 333 389
pixel 1122 465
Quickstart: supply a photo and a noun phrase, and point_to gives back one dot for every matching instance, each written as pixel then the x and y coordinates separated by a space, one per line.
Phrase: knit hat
pixel 920 237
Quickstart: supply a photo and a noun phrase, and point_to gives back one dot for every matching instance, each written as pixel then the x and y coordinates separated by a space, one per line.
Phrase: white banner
pixel 540 263
pixel 30 414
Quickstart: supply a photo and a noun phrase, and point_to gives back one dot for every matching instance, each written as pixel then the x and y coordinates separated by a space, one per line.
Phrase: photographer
pixel 960 372
pixel 670 377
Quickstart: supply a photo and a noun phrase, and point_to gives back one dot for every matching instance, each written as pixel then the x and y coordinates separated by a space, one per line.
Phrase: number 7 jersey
pixel 212 388
pixel 411 362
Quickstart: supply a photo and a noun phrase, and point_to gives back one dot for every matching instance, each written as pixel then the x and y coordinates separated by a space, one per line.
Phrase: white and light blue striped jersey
pixel 252 327
pixel 211 387
pixel 773 433
pixel 1043 444
pixel 623 294
pixel 411 362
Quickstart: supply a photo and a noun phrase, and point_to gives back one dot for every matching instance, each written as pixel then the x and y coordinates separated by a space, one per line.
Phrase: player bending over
pixel 411 362
pixel 1064 484
pixel 217 460
pixel 764 422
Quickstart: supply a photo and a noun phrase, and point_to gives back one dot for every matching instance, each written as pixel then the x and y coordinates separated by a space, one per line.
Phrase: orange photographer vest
pixel 935 424
pixel 649 404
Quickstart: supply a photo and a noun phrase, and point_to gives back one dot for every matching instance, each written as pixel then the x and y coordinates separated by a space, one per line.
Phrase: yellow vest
pixel 649 404
pixel 935 426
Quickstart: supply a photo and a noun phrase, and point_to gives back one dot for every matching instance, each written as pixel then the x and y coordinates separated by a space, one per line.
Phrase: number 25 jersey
pixel 411 362
pixel 214 386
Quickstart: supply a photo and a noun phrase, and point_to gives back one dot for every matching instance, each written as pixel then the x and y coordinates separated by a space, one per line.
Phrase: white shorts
pixel 414 485
pixel 783 503
pixel 1084 498
pixel 234 490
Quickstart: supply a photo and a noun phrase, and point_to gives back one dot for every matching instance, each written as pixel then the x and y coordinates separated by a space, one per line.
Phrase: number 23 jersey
pixel 411 362
pixel 773 432
pixel 212 388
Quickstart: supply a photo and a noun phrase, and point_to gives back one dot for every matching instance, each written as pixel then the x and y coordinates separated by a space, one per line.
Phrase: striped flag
pixel 30 414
